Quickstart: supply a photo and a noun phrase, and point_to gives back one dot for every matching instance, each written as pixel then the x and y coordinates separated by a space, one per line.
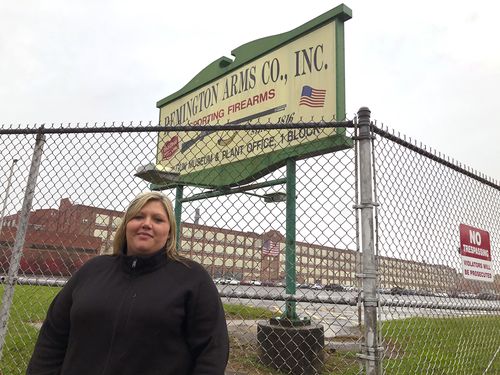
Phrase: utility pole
pixel 9 181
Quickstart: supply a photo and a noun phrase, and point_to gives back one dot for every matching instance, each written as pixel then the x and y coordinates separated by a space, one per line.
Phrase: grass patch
pixel 29 306
pixel 248 312
pixel 441 345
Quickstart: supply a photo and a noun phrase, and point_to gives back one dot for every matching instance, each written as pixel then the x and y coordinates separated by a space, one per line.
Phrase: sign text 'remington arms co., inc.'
pixel 293 83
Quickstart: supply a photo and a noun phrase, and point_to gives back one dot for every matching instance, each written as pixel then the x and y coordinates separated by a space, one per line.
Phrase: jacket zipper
pixel 105 369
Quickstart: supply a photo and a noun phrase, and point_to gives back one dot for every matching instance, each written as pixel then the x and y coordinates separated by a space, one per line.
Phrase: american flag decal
pixel 270 248
pixel 312 97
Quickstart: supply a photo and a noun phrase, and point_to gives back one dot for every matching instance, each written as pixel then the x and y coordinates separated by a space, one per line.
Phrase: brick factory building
pixel 59 241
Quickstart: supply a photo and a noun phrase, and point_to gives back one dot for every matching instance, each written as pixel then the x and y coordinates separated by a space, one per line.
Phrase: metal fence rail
pixel 410 286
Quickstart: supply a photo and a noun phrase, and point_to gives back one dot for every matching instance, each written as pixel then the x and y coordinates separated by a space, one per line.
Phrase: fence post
pixel 22 226
pixel 371 350
pixel 179 191
pixel 290 261
pixel 14 161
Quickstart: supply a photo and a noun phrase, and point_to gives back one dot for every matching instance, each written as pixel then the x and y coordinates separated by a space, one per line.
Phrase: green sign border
pixel 244 171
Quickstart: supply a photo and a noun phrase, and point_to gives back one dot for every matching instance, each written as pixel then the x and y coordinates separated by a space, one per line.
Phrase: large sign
pixel 475 250
pixel 294 78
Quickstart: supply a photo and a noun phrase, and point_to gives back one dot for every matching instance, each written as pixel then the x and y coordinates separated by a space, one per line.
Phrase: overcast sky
pixel 428 69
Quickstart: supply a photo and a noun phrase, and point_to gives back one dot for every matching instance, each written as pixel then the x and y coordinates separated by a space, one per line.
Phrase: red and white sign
pixel 475 250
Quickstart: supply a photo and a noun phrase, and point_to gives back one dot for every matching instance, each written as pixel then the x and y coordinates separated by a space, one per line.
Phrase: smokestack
pixel 197 216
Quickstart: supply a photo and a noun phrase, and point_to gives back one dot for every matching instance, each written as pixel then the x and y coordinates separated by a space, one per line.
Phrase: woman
pixel 144 310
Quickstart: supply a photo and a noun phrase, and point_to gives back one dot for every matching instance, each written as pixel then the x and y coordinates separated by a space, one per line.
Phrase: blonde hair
pixel 120 240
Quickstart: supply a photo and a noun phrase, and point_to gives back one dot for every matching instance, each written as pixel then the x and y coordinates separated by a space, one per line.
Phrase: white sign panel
pixel 475 250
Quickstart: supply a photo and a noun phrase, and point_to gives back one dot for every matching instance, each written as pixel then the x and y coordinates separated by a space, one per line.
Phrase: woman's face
pixel 147 232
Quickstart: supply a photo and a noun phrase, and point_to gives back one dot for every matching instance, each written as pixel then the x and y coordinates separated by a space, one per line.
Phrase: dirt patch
pixel 37 325
pixel 345 338
pixel 392 350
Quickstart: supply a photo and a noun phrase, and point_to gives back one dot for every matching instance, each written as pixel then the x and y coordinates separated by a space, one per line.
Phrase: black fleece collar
pixel 138 264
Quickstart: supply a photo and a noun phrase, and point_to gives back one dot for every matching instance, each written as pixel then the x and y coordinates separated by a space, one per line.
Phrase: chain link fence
pixel 427 318
pixel 423 199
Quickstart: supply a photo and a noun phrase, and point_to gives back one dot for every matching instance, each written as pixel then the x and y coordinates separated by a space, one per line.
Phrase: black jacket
pixel 121 315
